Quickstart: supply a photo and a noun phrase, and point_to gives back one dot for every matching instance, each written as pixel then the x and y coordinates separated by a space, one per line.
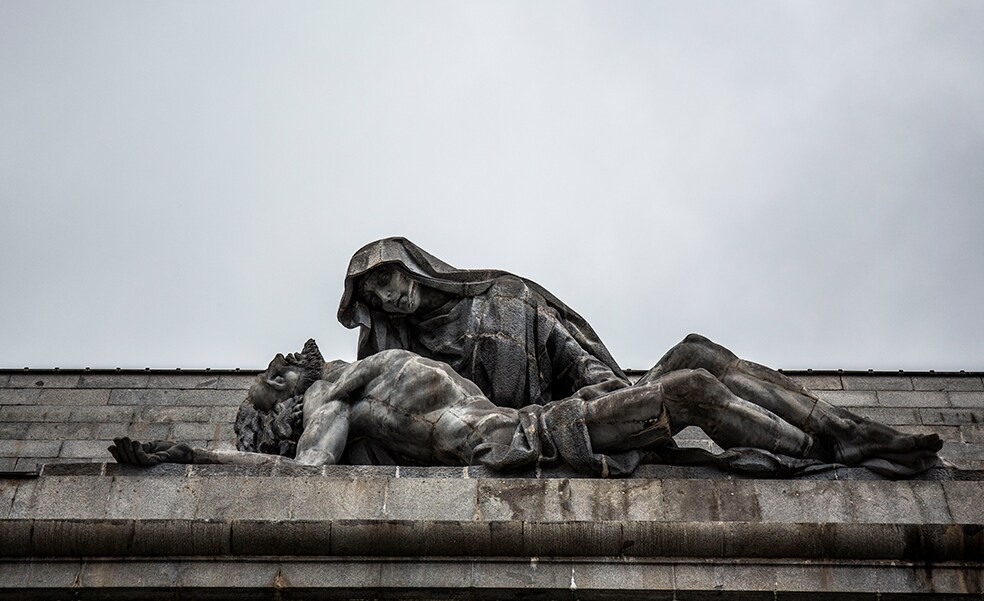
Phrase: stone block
pixel 973 400
pixel 236 381
pixel 849 398
pixel 139 575
pixel 15 538
pixel 973 434
pixel 701 577
pixel 690 500
pixel 621 574
pixel 8 489
pixel 7 464
pixel 872 382
pixel 15 430
pixel 690 433
pixel 412 538
pixel 612 500
pixel 950 417
pixel 864 541
pixel 437 499
pixel 32 464
pixel 945 432
pixel 819 381
pixel 74 396
pixel 71 498
pixel 514 575
pixel 195 431
pixel 137 430
pixel 114 380
pixel 74 469
pixel 900 502
pixel 166 413
pixel 902 398
pixel 964 455
pixel 673 539
pixel 32 413
pixel 221 415
pixel 55 578
pixel 19 396
pixel 232 497
pixel 803 501
pixel 173 470
pixel 61 431
pixel 80 537
pixel 565 539
pixel 29 448
pixel 154 498
pixel 184 398
pixel 293 537
pixel 737 501
pixel 25 499
pixel 321 498
pixel 102 414
pixel 183 381
pixel 43 380
pixel 953 383
pixel 964 501
pixel 750 539
pixel 233 574
pixel 4 379
pixel 95 449
pixel 520 499
pixel 332 574
pixel 890 416
pixel 434 574
pixel 445 472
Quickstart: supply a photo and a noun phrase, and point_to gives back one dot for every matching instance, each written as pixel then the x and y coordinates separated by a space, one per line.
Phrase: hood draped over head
pixel 508 305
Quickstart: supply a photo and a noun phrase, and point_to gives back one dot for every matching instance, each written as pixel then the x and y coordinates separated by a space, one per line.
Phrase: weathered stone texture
pixel 39 411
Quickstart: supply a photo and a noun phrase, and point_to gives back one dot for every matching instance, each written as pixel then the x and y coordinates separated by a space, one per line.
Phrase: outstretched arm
pixel 133 452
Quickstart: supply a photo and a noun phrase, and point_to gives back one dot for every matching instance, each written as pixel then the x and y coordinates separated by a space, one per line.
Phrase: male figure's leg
pixel 623 419
pixel 849 437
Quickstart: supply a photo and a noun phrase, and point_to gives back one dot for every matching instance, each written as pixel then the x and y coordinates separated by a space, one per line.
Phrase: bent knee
pixel 690 383
pixel 693 338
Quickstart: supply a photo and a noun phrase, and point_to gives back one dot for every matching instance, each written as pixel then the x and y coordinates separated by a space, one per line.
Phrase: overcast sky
pixel 183 183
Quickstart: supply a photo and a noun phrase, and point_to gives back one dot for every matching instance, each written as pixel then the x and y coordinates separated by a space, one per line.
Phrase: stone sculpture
pixel 462 367
pixel 521 345
pixel 423 413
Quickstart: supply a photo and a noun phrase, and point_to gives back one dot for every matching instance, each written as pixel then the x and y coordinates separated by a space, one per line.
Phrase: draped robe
pixel 511 337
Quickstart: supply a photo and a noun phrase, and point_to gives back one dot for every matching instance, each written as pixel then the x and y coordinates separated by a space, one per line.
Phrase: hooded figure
pixel 519 343
pixel 522 346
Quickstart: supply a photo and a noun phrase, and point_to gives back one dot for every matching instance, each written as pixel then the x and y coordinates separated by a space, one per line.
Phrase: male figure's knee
pixel 689 384
pixel 695 339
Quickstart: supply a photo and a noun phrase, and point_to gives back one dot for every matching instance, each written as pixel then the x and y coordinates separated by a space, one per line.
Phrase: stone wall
pixel 83 527
pixel 54 417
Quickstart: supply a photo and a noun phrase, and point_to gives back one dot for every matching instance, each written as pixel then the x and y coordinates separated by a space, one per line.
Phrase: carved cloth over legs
pixel 546 435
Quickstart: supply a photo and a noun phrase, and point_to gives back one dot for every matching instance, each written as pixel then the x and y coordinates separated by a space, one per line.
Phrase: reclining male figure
pixel 424 412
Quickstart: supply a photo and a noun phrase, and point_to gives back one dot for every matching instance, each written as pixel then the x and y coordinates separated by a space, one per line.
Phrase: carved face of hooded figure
pixel 390 289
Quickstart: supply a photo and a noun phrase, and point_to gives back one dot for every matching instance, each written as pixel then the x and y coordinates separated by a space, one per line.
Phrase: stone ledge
pixel 181 514
pixel 141 539
pixel 388 471
pixel 518 578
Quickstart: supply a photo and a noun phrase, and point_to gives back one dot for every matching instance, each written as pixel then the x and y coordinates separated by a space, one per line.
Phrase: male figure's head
pixel 287 377
pixel 265 422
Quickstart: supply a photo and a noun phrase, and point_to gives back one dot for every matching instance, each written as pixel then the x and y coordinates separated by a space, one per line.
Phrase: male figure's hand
pixel 133 452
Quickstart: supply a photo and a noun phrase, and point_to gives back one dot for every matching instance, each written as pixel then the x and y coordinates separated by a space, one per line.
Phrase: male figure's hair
pixel 272 431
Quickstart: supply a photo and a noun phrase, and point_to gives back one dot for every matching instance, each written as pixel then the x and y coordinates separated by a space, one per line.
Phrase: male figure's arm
pixel 134 452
